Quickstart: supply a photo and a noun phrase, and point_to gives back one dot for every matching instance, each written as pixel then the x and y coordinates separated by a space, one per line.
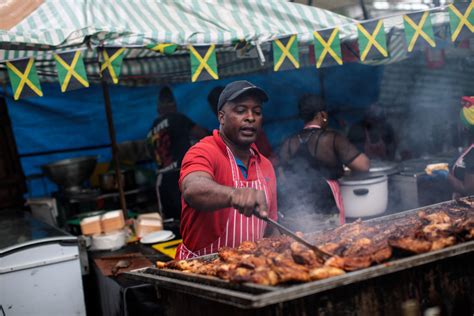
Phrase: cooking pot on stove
pixel 363 197
pixel 381 167
pixel 108 181
pixel 377 168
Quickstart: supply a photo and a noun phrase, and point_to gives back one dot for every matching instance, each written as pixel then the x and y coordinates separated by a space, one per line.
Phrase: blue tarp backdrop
pixel 77 118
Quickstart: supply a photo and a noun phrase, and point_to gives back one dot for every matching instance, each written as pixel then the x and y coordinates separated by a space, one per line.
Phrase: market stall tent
pixel 54 26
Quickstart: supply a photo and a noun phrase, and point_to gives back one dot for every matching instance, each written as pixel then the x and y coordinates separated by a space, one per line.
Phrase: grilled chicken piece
pixel 382 254
pixel 265 276
pixel 247 247
pixel 411 244
pixel 229 255
pixel 331 247
pixel 441 243
pixel 289 271
pixel 240 275
pixel 324 273
pixel 184 265
pixel 349 263
pixel 161 265
pixel 252 261
pixel 303 255
pixel 435 231
pixel 435 218
pixel 359 247
pixel 225 270
pixel 209 268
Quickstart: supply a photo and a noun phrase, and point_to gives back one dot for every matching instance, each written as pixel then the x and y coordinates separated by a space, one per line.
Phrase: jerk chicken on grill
pixel 354 246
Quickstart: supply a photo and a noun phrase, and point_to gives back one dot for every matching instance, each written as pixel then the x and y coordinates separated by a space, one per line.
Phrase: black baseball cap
pixel 238 88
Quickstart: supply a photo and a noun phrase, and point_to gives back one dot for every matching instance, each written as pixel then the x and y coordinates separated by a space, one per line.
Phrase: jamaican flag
pixel 461 18
pixel 111 63
pixel 165 48
pixel 372 41
pixel 23 78
pixel 418 30
pixel 71 71
pixel 203 63
pixel 285 53
pixel 327 48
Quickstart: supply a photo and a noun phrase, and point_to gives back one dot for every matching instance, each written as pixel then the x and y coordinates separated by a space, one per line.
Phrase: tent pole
pixel 115 150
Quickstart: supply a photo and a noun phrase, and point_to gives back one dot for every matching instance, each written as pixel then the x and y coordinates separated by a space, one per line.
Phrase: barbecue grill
pixel 441 279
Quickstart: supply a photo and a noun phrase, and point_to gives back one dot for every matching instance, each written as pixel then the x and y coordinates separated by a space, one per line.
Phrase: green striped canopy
pixel 66 25
pixel 136 23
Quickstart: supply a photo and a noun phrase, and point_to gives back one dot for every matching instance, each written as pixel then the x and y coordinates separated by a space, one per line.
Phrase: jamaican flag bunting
pixel 327 48
pixel 23 78
pixel 165 48
pixel 203 63
pixel 372 41
pixel 461 17
pixel 418 30
pixel 111 63
pixel 71 71
pixel 285 53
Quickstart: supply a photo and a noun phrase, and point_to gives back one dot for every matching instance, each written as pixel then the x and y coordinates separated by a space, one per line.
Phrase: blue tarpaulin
pixel 77 118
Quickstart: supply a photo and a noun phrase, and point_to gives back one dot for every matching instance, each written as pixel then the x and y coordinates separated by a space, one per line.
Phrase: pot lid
pixel 382 166
pixel 358 180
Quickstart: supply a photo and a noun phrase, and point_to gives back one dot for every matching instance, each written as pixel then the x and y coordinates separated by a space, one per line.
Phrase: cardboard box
pixel 105 223
pixel 148 223
pixel 91 225
pixel 112 221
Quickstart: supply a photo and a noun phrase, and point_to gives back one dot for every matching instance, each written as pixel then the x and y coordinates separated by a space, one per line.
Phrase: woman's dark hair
pixel 166 95
pixel 309 105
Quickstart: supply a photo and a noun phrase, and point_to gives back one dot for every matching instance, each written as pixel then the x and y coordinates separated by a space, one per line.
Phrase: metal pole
pixel 364 9
pixel 115 150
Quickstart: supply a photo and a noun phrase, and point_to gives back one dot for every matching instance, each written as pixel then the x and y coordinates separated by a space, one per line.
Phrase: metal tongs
pixel 288 232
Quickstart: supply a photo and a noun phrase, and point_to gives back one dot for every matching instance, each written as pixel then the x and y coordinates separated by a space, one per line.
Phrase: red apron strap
pixel 336 192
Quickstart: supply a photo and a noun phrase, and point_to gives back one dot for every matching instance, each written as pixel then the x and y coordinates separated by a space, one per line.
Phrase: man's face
pixel 241 120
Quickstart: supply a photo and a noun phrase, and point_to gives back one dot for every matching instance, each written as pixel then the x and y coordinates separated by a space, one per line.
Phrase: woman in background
pixel 461 176
pixel 311 161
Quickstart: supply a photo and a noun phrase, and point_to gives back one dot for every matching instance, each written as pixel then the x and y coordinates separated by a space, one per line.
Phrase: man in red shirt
pixel 224 178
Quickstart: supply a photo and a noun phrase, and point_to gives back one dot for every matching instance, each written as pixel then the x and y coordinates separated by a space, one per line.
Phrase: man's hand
pixel 246 200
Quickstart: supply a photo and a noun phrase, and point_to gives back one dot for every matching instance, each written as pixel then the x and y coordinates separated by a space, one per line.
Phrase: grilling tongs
pixel 324 255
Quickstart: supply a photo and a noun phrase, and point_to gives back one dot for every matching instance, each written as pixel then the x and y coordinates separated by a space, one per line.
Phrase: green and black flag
pixel 372 40
pixel 418 30
pixel 71 71
pixel 23 78
pixel 203 63
pixel 327 48
pixel 112 63
pixel 461 19
pixel 165 48
pixel 285 53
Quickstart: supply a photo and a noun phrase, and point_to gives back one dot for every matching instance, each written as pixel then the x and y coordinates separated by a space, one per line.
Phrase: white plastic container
pixel 364 197
pixel 40 271
pixel 110 241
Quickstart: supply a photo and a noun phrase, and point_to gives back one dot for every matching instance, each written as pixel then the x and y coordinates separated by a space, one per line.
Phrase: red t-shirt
pixel 201 228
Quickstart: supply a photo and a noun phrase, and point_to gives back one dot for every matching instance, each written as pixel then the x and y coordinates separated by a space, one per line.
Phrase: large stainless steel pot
pixel 364 197
pixel 108 181
pixel 71 173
